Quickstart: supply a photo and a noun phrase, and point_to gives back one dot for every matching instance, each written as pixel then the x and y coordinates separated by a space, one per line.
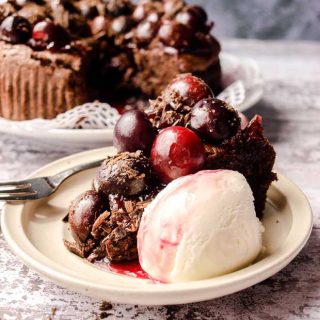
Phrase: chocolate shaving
pixel 81 250
pixel 169 109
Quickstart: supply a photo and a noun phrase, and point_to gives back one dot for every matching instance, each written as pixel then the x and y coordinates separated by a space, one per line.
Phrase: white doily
pixel 98 115
pixel 92 115
pixel 234 94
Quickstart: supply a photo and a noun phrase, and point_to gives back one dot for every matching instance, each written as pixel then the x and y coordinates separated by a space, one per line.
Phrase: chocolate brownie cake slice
pixel 250 153
pixel 194 131
pixel 57 54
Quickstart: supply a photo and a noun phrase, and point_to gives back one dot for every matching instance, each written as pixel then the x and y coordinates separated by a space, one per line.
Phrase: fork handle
pixel 57 179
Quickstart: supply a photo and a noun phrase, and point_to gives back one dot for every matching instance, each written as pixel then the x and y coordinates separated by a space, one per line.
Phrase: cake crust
pixel 39 84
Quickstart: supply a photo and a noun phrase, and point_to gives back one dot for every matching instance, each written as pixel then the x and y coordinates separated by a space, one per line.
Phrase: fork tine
pixel 15 183
pixel 14 188
pixel 18 196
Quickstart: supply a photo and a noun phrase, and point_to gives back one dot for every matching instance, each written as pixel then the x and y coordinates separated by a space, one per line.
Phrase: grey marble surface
pixel 272 19
pixel 291 111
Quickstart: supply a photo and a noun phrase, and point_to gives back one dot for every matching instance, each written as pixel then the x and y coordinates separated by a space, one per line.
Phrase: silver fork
pixel 37 188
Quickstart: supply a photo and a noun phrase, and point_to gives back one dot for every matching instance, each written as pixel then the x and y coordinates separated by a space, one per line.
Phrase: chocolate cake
pixel 195 131
pixel 56 54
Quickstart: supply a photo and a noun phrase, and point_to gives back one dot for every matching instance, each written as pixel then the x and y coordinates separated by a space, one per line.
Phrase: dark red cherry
pixel 139 13
pixel 20 3
pixel 15 29
pixel 49 35
pixel 175 35
pixel 153 17
pixel 200 12
pixel 88 11
pixel 78 26
pixel 193 16
pixel 83 212
pixel 171 6
pixel 99 24
pixel 192 88
pixel 206 44
pixel 133 132
pixel 146 30
pixel 121 24
pixel 214 120
pixel 176 152
pixel 117 8
pixel 66 4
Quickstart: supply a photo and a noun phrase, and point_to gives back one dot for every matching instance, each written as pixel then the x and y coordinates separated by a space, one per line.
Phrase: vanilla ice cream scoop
pixel 200 226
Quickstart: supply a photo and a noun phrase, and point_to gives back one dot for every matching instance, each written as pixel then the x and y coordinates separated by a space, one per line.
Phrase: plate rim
pixel 164 293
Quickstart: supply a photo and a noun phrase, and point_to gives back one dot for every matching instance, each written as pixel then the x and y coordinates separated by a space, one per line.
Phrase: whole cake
pixel 185 130
pixel 56 54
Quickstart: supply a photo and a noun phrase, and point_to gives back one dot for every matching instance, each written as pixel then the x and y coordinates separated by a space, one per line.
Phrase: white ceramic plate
pixel 233 69
pixel 35 232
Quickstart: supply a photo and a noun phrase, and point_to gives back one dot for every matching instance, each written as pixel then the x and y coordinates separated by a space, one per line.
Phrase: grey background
pixel 264 19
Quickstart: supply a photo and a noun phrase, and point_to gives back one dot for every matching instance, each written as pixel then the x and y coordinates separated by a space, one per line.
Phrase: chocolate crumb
pixel 53 313
pixel 104 315
pixel 105 306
